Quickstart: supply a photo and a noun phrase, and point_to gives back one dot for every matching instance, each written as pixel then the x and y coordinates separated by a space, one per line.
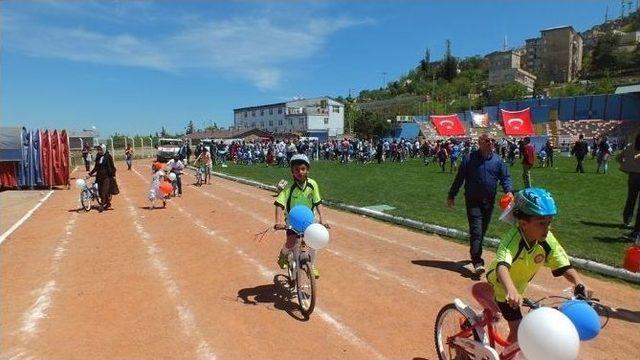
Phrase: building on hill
pixel 321 116
pixel 556 55
pixel 504 68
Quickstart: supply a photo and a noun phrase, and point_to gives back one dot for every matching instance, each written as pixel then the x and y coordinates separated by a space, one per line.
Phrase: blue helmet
pixel 536 202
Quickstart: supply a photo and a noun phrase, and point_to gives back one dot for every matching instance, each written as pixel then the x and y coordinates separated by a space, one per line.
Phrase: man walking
pixel 480 172
pixel 580 150
pixel 528 160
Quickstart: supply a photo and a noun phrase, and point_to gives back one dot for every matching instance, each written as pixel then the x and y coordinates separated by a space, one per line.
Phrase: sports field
pixel 192 281
pixel 589 223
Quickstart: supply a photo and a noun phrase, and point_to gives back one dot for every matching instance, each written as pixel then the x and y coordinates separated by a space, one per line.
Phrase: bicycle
pixel 89 194
pixel 475 334
pixel 300 278
pixel 200 175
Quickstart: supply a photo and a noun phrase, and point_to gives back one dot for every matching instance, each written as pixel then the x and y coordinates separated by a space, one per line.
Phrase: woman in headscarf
pixel 105 172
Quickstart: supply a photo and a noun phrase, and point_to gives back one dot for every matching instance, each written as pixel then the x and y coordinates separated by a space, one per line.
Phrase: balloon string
pixel 259 236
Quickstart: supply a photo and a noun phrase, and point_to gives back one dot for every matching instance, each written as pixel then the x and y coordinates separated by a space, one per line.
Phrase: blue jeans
pixel 479 216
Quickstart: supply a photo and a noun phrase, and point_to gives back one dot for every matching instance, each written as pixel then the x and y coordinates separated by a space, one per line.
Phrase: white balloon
pixel 546 333
pixel 80 183
pixel 316 236
pixel 172 176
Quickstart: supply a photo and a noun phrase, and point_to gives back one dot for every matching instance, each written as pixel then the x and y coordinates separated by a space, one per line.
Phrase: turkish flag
pixel 448 125
pixel 517 123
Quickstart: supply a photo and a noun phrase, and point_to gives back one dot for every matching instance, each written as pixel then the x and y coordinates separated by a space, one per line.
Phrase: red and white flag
pixel 517 123
pixel 448 125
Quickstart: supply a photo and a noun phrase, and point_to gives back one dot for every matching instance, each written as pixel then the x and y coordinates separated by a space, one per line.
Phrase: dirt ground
pixel 193 281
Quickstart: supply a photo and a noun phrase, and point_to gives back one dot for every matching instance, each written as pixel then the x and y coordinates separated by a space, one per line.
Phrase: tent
pixel 10 155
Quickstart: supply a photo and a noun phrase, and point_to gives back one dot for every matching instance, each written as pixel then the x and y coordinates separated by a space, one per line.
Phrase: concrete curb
pixel 445 231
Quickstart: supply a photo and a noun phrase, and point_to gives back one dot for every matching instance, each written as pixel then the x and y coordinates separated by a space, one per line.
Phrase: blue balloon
pixel 583 317
pixel 300 217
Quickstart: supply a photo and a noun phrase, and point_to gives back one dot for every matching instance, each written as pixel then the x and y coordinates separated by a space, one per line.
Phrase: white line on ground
pixel 38 311
pixel 26 216
pixel 29 213
pixel 340 328
pixel 187 319
pixel 362 232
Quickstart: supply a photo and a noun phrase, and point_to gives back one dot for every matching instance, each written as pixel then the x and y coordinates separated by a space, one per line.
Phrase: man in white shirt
pixel 176 166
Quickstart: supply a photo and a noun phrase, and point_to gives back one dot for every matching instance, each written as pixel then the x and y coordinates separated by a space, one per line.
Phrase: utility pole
pixel 384 78
pixel 606 14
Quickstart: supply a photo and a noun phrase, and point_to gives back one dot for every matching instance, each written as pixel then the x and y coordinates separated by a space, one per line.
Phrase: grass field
pixel 589 223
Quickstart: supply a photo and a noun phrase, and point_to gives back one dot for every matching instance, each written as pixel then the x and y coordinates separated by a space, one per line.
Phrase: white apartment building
pixel 321 115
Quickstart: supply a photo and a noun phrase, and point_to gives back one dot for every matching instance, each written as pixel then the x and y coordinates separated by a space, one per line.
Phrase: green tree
pixel 602 57
pixel 507 92
pixel 190 128
pixel 449 68
pixel 369 125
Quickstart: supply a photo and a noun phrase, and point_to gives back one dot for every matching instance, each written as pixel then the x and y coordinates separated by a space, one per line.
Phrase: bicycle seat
pixel 483 293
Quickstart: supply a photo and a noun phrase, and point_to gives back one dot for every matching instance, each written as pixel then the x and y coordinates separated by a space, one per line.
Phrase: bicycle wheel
pixel 85 199
pixel 306 287
pixel 449 322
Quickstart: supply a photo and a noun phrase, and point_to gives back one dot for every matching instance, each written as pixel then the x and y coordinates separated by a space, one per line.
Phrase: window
pixel 270 122
pixel 253 113
pixel 336 109
pixel 300 122
pixel 280 122
pixel 245 114
pixel 261 112
pixel 291 122
pixel 279 110
pixel 326 121
pixel 271 111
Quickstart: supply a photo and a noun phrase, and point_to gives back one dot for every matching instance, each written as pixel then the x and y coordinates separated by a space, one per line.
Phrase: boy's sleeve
pixel 317 199
pixel 557 259
pixel 281 200
pixel 504 254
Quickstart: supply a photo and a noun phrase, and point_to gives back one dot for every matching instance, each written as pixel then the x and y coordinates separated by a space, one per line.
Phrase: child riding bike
pixel 302 191
pixel 521 253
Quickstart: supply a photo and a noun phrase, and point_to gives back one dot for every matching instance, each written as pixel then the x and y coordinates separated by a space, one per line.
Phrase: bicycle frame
pixel 296 258
pixel 493 337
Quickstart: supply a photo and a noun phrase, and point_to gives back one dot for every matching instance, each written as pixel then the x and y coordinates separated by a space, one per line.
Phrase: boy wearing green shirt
pixel 302 191
pixel 523 250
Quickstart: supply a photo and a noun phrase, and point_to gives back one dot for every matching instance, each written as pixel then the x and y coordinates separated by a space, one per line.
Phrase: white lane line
pixel 38 311
pixel 29 213
pixel 26 216
pixel 268 275
pixel 187 319
pixel 365 233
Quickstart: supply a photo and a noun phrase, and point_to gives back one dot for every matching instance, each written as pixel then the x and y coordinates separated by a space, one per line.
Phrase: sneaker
pixel 315 272
pixel 479 269
pixel 283 262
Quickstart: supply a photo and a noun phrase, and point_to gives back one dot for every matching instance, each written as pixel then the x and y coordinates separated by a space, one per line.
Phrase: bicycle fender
pixel 472 316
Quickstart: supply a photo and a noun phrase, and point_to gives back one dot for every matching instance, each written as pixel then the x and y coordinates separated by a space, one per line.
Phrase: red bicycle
pixel 463 333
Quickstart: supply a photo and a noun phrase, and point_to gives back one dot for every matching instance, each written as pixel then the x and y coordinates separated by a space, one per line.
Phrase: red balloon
pixel 166 187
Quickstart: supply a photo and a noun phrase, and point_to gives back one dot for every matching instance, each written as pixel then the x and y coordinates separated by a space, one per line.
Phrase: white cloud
pixel 255 48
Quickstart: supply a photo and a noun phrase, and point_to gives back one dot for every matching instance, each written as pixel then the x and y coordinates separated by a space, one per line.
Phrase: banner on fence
pixel 517 123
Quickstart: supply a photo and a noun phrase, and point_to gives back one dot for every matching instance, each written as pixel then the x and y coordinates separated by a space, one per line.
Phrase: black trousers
pixel 579 167
pixel 633 189
pixel 479 216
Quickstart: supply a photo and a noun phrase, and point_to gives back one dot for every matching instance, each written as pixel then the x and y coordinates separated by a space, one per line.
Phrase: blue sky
pixel 135 66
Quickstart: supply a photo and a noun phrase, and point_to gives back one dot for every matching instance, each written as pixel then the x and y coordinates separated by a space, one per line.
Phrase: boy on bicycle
pixel 302 191
pixel 523 250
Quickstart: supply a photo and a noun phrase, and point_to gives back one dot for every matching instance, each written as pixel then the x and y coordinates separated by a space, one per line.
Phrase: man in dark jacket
pixel 580 150
pixel 105 172
pixel 480 172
